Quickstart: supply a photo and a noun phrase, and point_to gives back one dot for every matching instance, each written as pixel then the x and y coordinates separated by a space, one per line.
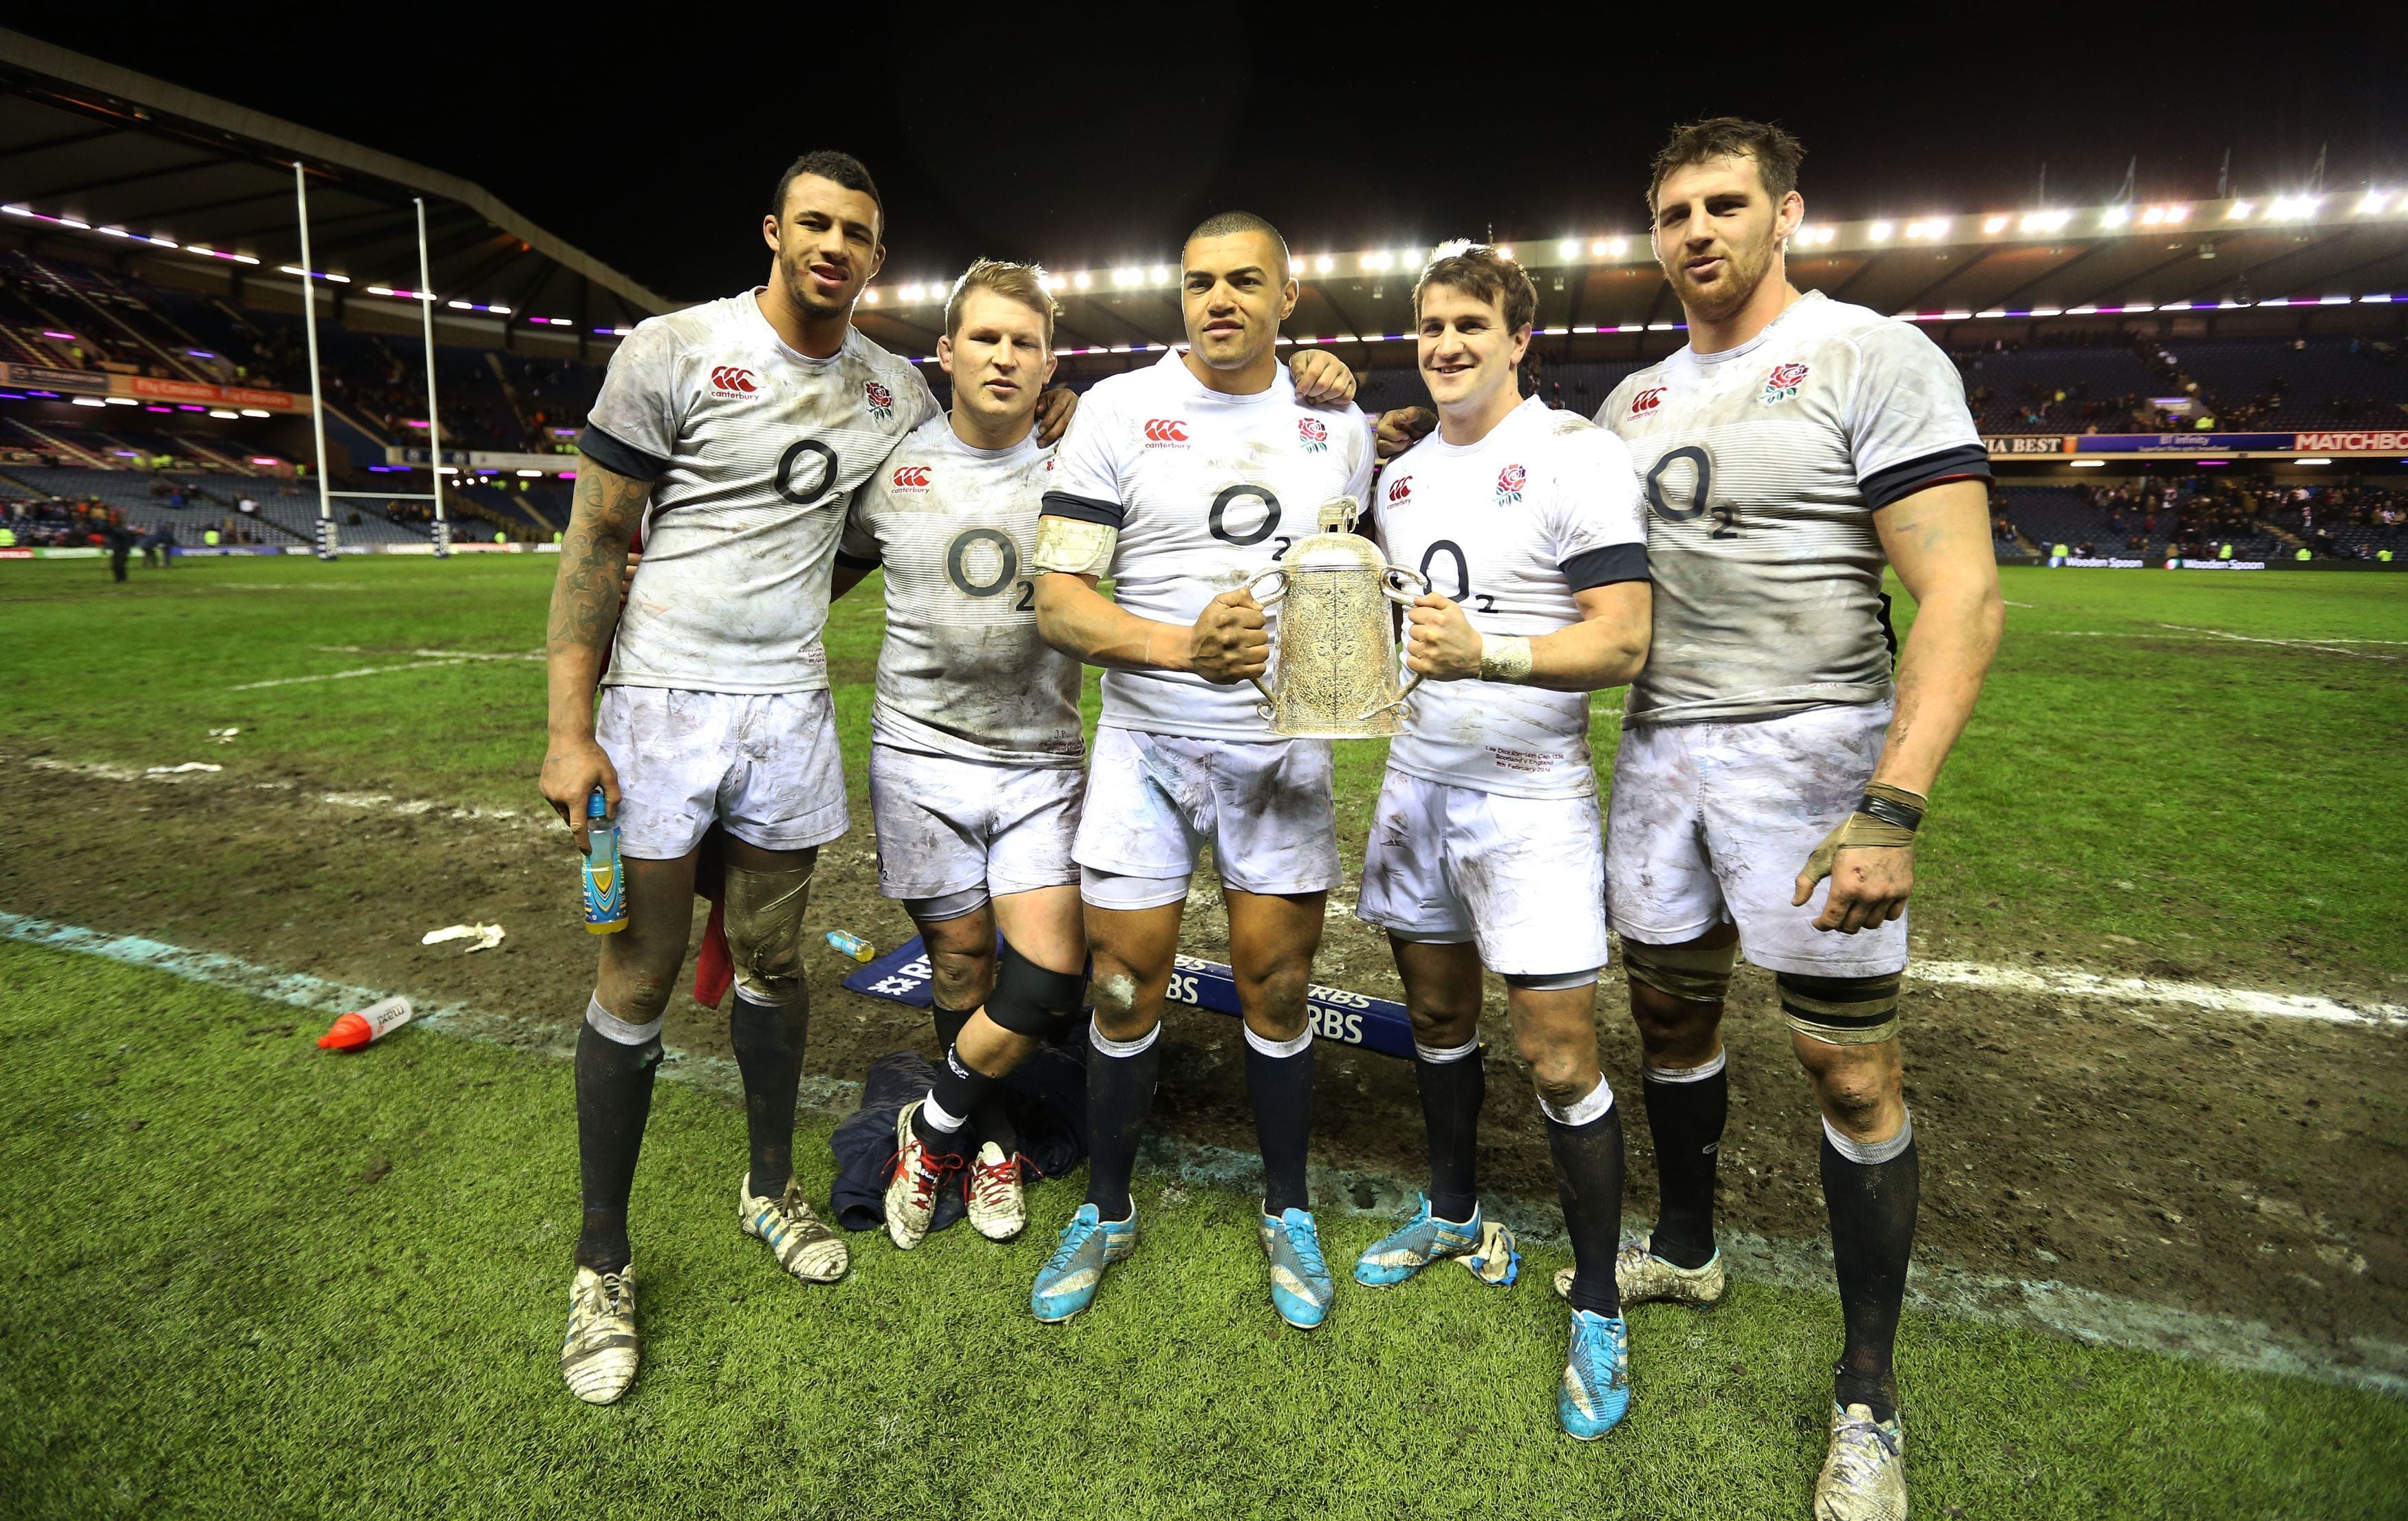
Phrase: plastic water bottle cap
pixel 349 1033
pixel 597 805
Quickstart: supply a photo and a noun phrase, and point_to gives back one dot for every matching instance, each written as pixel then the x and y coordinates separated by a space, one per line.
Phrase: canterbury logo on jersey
pixel 1399 489
pixel 1648 400
pixel 1166 430
pixel 728 380
pixel 882 401
pixel 913 477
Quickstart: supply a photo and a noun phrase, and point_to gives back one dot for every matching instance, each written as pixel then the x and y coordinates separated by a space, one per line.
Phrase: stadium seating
pixel 2300 383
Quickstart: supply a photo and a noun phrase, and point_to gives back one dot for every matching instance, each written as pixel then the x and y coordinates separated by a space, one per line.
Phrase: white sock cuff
pixel 1867 1153
pixel 1594 1107
pixel 938 1118
pixel 611 1028
pixel 1105 1045
pixel 1439 1056
pixel 1279 1048
pixel 1687 1074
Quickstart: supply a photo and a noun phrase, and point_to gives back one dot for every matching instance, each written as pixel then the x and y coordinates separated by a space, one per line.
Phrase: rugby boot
pixel 1414 1245
pixel 1090 1243
pixel 1596 1387
pixel 992 1188
pixel 598 1354
pixel 1642 1277
pixel 1300 1287
pixel 1864 1475
pixel 804 1247
pixel 912 1180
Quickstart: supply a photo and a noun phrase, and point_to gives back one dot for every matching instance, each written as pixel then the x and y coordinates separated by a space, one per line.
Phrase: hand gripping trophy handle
pixel 1265 599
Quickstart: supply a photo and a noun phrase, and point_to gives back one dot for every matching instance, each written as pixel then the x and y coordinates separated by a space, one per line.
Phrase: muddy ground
pixel 2229 1166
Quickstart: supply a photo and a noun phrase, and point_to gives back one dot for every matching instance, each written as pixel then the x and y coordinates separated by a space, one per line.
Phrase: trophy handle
pixel 1398 584
pixel 1277 591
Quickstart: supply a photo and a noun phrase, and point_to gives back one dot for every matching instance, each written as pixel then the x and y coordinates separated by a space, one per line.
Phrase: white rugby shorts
pixel 947 825
pixel 1521 878
pixel 1712 822
pixel 1265 808
pixel 765 764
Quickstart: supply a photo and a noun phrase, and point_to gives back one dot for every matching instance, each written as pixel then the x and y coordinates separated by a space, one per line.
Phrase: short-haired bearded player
pixel 1794 446
pixel 733 434
pixel 1485 849
pixel 974 767
pixel 1184 482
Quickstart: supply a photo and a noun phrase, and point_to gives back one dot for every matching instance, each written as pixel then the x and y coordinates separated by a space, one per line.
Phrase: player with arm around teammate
pixel 1484 850
pixel 1795 446
pixel 1184 482
pixel 733 434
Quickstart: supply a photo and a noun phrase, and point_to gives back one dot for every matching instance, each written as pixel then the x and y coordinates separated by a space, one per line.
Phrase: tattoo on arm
pixel 602 521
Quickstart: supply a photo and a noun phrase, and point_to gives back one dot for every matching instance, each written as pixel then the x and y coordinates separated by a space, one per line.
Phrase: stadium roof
pixel 1998 264
pixel 107 154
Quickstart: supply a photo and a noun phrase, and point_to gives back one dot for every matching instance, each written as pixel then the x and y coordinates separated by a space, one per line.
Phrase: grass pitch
pixel 247 1277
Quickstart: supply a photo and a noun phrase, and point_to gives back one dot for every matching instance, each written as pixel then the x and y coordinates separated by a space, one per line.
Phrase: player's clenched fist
pixel 1439 641
pixel 1231 643
pixel 572 768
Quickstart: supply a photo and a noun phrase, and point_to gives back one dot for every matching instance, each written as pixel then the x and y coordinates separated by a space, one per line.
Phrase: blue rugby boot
pixel 1414 1245
pixel 1596 1387
pixel 1090 1243
pixel 1300 1287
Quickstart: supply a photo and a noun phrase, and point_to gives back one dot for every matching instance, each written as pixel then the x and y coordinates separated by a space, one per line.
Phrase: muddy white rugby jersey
pixel 752 450
pixel 1207 491
pixel 1760 470
pixel 1509 527
pixel 962 672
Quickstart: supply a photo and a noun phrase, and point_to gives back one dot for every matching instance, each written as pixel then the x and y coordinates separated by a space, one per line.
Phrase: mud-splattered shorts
pixel 946 826
pixel 1155 799
pixel 1712 822
pixel 1521 878
pixel 765 764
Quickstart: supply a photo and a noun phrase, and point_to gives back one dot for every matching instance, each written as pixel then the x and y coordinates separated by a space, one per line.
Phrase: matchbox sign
pixel 1783 383
pixel 882 401
pixel 1510 482
pixel 1313 434
pixel 1648 400
pixel 2367 441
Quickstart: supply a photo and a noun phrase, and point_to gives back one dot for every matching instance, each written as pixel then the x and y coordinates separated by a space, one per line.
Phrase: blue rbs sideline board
pixel 1354 1019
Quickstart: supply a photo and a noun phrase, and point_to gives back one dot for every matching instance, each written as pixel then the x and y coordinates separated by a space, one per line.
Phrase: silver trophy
pixel 1334 655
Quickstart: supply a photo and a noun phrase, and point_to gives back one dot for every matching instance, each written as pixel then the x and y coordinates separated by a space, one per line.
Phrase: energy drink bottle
pixel 852 945
pixel 606 883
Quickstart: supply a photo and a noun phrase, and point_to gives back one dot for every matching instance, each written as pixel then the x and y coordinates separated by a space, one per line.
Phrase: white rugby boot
pixel 599 1356
pixel 1864 1475
pixel 1642 1277
pixel 804 1246
pixel 998 1210
pixel 912 1180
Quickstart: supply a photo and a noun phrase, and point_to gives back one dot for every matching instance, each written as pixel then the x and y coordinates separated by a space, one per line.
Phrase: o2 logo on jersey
pixel 912 477
pixel 1783 383
pixel 1401 490
pixel 728 380
pixel 1649 399
pixel 1164 431
pixel 882 401
pixel 1510 482
pixel 1313 434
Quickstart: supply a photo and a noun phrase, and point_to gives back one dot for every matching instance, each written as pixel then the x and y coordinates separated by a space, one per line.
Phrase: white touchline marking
pixel 2331 648
pixel 2011 602
pixel 2091 984
pixel 2070 983
pixel 342 674
pixel 437 655
pixel 2043 1305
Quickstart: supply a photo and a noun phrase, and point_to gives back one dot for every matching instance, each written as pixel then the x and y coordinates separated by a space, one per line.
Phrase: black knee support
pixel 1840 1011
pixel 1026 996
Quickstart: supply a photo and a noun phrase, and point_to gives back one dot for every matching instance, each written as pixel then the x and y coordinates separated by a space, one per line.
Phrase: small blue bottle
pixel 605 884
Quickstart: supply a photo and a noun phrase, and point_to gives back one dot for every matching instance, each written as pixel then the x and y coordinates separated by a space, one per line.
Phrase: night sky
pixel 1091 139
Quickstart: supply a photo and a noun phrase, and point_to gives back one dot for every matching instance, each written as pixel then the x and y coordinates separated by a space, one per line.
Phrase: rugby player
pixel 732 434
pixel 1484 850
pixel 1184 482
pixel 1794 446
pixel 974 769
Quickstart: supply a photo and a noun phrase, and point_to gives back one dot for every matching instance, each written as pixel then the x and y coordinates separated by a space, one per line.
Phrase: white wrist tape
pixel 1504 657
